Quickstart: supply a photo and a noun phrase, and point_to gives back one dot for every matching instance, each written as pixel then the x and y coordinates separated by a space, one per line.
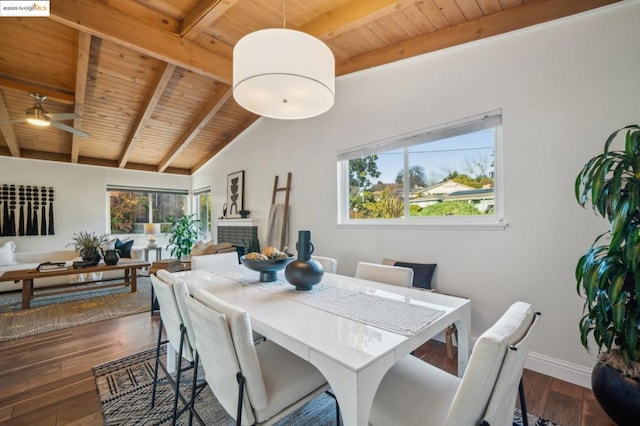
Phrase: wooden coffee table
pixel 28 275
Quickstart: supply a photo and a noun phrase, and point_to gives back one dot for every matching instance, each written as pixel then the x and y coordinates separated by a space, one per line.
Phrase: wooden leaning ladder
pixel 287 190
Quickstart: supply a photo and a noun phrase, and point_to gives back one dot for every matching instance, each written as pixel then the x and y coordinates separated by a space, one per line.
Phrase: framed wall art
pixel 235 194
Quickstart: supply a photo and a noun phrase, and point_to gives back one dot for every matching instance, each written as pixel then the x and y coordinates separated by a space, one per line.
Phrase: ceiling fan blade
pixel 22 120
pixel 63 116
pixel 70 129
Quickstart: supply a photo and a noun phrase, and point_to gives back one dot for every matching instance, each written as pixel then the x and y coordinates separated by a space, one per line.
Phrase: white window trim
pixel 496 221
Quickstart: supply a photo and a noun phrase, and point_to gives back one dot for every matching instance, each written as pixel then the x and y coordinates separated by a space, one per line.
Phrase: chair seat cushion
pixel 411 392
pixel 287 379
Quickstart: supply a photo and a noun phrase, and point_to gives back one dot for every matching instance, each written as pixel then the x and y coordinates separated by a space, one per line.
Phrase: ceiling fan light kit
pixel 38 116
pixel 284 74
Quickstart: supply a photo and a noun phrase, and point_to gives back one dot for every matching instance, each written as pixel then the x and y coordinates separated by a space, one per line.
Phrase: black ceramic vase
pixel 111 256
pixel 304 272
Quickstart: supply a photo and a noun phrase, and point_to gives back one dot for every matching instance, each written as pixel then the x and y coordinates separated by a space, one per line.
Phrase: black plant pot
pixel 618 395
pixel 90 256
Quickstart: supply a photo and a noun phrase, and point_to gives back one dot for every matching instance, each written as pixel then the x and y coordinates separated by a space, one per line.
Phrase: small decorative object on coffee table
pixel 87 244
pixel 304 272
pixel 111 256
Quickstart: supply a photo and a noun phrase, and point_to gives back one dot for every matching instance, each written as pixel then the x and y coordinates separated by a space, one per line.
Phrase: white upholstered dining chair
pixel 179 334
pixel 395 275
pixel 220 260
pixel 256 384
pixel 414 392
pixel 329 264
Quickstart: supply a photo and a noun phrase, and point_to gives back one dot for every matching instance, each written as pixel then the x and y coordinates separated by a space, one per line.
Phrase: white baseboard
pixel 560 369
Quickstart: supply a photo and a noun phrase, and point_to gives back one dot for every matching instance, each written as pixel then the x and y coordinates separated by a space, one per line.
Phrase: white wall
pixel 562 86
pixel 80 200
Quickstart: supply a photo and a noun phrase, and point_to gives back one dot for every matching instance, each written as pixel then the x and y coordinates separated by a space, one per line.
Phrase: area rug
pixel 49 313
pixel 124 388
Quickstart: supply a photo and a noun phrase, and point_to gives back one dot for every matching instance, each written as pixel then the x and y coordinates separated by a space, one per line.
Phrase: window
pixel 131 208
pixel 445 175
pixel 202 208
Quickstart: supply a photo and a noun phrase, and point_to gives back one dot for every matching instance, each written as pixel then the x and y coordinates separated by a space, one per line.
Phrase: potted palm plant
pixel 184 234
pixel 608 275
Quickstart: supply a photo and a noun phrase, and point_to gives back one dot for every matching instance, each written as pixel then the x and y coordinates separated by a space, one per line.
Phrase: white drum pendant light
pixel 285 74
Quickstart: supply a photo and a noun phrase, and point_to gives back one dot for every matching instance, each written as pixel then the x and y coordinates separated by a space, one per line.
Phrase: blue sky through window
pixel 439 158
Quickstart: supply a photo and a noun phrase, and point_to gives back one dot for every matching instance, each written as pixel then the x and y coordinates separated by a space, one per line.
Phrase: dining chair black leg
pixel 155 370
pixel 523 404
pixel 240 378
pixel 194 382
pixel 178 374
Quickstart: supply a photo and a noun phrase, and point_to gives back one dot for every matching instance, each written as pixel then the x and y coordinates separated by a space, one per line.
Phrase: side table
pixel 158 253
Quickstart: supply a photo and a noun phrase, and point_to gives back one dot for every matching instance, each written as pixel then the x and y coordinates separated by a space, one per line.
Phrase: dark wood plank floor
pixel 48 380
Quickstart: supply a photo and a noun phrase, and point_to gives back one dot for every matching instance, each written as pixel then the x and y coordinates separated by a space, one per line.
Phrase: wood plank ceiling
pixel 151 78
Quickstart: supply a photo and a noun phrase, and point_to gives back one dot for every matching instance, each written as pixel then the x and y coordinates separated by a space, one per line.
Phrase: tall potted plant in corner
pixel 608 275
pixel 184 234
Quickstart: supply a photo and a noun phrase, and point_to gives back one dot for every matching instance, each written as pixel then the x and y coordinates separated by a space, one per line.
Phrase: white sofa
pixel 31 260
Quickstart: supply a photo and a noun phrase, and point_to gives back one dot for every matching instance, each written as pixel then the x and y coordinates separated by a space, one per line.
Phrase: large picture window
pixel 447 175
pixel 131 208
pixel 202 209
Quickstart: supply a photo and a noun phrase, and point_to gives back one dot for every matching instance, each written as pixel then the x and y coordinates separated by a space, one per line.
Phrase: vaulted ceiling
pixel 151 79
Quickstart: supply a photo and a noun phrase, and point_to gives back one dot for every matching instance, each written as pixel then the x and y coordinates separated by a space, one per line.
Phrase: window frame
pixel 492 119
pixel 149 191
pixel 195 207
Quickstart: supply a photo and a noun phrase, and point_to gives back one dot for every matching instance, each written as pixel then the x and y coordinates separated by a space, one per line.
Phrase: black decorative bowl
pixel 268 268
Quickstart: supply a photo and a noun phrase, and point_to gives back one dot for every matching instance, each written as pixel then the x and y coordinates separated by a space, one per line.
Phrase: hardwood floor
pixel 48 380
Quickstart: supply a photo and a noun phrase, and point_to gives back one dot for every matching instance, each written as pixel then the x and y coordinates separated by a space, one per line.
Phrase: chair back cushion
pixel 208 261
pixel 394 275
pixel 181 292
pixel 170 315
pixel 241 334
pixel 503 398
pixel 485 363
pixel 329 264
pixel 218 356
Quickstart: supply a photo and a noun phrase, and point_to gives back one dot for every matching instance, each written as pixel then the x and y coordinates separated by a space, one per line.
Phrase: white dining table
pixel 352 330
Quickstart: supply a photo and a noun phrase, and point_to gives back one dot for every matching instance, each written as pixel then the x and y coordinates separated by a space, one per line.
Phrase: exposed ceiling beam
pixel 82 74
pixel 97 18
pixel 53 94
pixel 146 111
pixel 241 128
pixel 198 124
pixel 351 15
pixel 530 13
pixel 7 129
pixel 202 15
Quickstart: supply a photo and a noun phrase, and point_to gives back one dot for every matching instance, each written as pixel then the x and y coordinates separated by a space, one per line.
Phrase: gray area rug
pixel 50 313
pixel 124 388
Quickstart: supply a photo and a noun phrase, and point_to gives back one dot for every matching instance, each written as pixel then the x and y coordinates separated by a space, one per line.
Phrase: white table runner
pixel 387 314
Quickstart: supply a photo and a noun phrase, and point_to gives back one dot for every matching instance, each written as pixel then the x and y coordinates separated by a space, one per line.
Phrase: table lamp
pixel 151 229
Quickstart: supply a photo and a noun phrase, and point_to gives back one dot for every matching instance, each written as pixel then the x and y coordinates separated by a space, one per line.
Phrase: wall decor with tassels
pixel 26 210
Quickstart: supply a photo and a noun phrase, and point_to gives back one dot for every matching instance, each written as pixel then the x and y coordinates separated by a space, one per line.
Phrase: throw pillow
pixel 124 247
pixel 197 249
pixel 7 255
pixel 422 273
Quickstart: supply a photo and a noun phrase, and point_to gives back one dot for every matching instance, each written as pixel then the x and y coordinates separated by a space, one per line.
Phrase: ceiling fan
pixel 38 116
